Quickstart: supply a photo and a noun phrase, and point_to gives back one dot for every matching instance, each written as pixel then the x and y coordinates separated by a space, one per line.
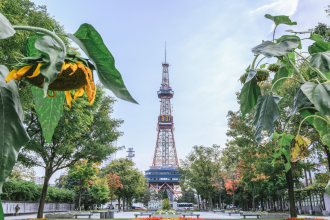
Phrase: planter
pixel 325 213
pixel 311 212
pixel 275 216
pixel 66 216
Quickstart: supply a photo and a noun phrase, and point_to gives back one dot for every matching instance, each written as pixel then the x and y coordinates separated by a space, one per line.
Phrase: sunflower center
pixel 63 82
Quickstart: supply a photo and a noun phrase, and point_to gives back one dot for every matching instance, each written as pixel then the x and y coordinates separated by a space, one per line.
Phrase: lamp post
pixel 234 175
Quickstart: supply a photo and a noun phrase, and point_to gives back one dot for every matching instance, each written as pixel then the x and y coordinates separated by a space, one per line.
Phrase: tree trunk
pixel 79 200
pixel 220 200
pixel 48 174
pixel 310 177
pixel 253 202
pixel 262 203
pixel 306 178
pixel 289 181
pixel 211 205
pixel 119 204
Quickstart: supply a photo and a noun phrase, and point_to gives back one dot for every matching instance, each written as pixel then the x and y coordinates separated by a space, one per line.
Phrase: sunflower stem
pixel 286 126
pixel 295 68
pixel 254 61
pixel 316 116
pixel 44 31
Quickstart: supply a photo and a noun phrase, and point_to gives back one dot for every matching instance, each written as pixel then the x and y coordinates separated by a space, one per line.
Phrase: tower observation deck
pixel 163 174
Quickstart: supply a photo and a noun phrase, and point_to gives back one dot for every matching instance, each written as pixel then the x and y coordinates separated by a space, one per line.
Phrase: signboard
pixel 165 119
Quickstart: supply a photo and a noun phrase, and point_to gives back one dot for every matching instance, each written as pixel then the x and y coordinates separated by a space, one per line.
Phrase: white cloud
pixel 283 7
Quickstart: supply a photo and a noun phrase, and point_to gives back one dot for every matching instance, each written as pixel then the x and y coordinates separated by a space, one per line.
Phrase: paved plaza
pixel 130 215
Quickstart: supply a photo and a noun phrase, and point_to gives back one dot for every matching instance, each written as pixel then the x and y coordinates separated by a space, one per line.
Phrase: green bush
pixel 21 190
pixel 166 205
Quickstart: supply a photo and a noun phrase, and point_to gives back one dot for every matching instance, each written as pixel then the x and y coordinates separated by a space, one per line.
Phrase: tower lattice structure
pixel 164 173
pixel 165 151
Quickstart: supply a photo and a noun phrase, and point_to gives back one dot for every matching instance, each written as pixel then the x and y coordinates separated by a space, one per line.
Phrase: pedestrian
pixel 17 208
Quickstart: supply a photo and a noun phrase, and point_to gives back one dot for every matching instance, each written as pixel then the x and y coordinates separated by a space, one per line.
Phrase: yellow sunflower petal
pixel 89 73
pixel 51 96
pixel 93 95
pixel 89 93
pixel 63 65
pixel 78 93
pixel 11 75
pixel 68 97
pixel 74 68
pixel 23 70
pixel 66 66
pixel 36 71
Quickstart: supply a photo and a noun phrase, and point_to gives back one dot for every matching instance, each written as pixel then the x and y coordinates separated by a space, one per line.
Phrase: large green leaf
pixel 321 60
pixel 307 112
pixel 319 45
pixel 284 36
pixel 282 72
pixel 13 135
pixel 285 139
pixel 270 49
pixel 300 101
pixel 281 19
pixel 49 111
pixel 323 128
pixel 30 49
pixel 266 113
pixel 90 41
pixel 249 96
pixel 56 55
pixel 6 28
pixel 319 95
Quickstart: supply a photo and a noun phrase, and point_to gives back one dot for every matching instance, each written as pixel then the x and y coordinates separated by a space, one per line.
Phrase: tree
pixel 100 190
pixel 84 171
pixel 199 167
pixel 188 197
pixel 166 205
pixel 61 182
pixel 26 13
pixel 113 183
pixel 21 172
pixel 134 183
pixel 83 132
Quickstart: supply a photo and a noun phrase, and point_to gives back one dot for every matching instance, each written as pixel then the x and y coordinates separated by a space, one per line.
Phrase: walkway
pixel 130 215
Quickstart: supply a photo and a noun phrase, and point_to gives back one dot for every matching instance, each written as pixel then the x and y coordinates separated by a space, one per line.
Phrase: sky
pixel 208 48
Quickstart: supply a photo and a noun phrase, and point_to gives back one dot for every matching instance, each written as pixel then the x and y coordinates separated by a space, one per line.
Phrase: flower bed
pixel 305 218
pixel 161 218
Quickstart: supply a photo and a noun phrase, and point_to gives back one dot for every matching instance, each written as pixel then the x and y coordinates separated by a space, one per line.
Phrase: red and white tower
pixel 164 173
pixel 165 151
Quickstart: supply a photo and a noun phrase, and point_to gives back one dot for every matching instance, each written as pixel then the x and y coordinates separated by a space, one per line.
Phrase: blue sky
pixel 208 48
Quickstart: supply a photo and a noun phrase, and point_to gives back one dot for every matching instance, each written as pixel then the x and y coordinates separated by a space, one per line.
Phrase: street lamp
pixel 234 176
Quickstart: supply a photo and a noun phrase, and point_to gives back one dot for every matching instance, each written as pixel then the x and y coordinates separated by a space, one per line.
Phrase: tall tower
pixel 163 174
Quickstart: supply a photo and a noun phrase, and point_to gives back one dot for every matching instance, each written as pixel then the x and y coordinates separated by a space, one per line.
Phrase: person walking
pixel 17 208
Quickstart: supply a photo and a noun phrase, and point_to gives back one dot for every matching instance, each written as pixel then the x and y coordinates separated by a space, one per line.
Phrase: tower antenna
pixel 165 51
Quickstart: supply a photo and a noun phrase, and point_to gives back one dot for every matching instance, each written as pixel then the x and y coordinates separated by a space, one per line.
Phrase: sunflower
pixel 73 76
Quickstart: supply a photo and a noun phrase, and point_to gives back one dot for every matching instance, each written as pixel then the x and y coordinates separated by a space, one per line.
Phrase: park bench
pixel 223 211
pixel 143 214
pixel 251 214
pixel 190 214
pixel 234 212
pixel 82 214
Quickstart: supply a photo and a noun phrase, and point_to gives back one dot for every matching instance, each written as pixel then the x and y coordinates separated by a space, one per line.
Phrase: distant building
pixel 130 153
pixel 39 180
pixel 109 157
